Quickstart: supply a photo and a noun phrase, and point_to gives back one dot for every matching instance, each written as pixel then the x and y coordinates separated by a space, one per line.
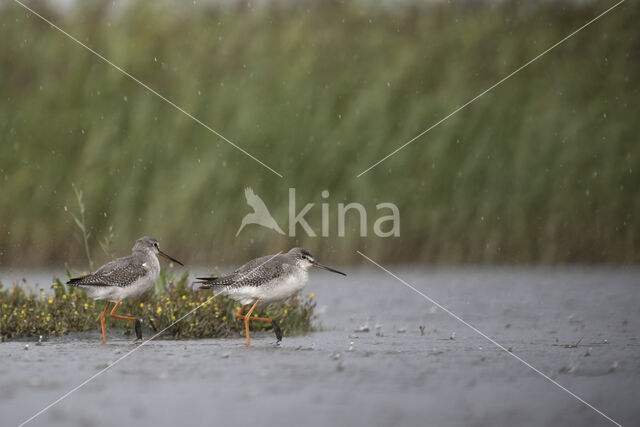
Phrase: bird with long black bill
pixel 265 280
pixel 122 278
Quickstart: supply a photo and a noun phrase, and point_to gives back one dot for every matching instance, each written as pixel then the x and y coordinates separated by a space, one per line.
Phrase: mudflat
pixel 383 355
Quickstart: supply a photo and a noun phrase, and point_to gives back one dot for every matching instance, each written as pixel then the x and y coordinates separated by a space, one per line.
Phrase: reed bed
pixel 542 169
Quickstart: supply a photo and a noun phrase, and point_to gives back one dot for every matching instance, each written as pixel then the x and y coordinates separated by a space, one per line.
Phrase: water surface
pixel 370 364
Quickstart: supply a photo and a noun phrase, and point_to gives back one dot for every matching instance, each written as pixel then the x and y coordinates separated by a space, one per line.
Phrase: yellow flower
pixel 224 318
pixel 184 297
pixel 298 297
pixel 286 311
pixel 50 300
pixel 23 313
pixel 75 313
pixel 64 296
pixel 86 305
pixel 173 317
pixel 312 296
pixel 141 304
pixel 159 310
pixel 168 302
pixel 48 318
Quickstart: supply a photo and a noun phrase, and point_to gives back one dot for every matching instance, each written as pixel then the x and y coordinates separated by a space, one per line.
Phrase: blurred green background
pixel 543 169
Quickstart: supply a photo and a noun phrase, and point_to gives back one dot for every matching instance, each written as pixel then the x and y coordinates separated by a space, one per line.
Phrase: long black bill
pixel 324 267
pixel 169 257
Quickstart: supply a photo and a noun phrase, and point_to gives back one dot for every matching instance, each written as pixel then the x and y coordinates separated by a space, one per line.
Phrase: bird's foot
pixel 277 330
pixel 138 328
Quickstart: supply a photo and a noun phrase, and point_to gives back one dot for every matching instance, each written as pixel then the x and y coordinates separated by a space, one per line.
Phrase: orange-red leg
pixel 136 322
pixel 102 321
pixel 262 319
pixel 117 316
pixel 239 315
pixel 247 317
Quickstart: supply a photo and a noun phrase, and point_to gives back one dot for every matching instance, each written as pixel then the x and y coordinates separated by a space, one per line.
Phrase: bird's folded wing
pixel 255 264
pixel 120 272
pixel 254 273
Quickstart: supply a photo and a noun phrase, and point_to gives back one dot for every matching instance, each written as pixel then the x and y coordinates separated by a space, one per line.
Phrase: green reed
pixel 544 168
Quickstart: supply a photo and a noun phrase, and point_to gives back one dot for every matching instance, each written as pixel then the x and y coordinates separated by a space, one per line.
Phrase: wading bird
pixel 122 278
pixel 265 280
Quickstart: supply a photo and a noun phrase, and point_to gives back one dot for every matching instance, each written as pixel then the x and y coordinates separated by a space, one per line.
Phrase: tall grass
pixel 542 169
pixel 82 226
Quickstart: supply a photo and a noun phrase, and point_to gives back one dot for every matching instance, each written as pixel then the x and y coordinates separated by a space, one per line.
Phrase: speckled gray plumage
pixel 256 272
pixel 125 277
pixel 119 272
pixel 266 279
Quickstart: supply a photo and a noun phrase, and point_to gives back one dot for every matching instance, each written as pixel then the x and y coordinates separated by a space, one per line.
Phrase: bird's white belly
pixel 276 290
pixel 115 293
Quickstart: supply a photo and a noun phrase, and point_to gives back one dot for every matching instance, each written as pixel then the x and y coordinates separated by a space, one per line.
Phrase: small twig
pixel 107 242
pixel 80 222
pixel 576 345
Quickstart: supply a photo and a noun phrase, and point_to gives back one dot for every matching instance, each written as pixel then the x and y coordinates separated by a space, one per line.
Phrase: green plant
pixel 544 168
pixel 65 310
pixel 82 226
pixel 107 242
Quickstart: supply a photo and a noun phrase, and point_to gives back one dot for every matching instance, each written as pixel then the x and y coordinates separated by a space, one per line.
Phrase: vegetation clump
pixel 184 312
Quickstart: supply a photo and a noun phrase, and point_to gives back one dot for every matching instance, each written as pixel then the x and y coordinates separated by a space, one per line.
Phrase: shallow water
pixel 388 375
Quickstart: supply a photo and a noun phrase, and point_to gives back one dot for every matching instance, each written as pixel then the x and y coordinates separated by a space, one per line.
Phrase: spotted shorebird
pixel 126 277
pixel 265 280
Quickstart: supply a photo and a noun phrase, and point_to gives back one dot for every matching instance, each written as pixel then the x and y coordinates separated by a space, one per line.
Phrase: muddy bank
pixel 384 356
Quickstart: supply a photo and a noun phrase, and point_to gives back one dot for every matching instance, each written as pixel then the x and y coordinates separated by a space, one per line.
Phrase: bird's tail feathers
pixel 208 282
pixel 75 281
